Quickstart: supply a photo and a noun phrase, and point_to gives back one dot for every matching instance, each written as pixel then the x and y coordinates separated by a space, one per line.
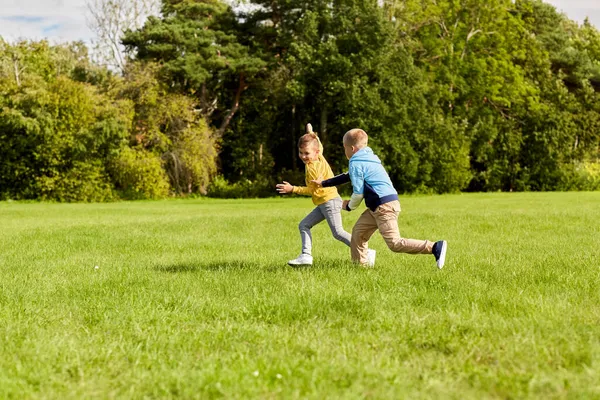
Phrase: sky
pixel 56 20
pixel 65 20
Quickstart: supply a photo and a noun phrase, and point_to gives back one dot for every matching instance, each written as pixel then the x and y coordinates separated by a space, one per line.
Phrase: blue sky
pixel 57 20
pixel 65 20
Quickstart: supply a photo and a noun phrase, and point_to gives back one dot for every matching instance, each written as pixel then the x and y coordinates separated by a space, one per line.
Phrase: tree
pixel 339 65
pixel 167 127
pixel 109 19
pixel 195 41
pixel 56 133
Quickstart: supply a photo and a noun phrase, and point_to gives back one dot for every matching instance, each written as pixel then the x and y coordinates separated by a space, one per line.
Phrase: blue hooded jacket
pixel 368 178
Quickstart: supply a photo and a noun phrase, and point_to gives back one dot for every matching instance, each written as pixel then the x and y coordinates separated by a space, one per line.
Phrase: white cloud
pixel 56 20
pixel 578 10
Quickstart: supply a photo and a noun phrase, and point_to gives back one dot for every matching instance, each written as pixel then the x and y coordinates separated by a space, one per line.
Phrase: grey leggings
pixel 332 212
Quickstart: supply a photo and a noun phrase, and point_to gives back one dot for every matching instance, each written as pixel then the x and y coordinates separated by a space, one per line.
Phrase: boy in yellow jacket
pixel 327 200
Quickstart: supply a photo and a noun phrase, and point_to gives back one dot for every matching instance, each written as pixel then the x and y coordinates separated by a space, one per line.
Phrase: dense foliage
pixel 71 131
pixel 455 95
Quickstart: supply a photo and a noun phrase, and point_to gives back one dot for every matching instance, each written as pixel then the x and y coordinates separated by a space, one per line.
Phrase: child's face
pixel 308 153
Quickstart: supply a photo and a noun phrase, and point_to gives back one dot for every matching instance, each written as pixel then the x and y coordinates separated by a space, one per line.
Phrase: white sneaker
pixel 302 259
pixel 371 257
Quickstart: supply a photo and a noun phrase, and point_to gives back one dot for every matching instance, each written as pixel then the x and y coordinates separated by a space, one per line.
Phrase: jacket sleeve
pixel 336 180
pixel 304 190
pixel 357 178
pixel 354 202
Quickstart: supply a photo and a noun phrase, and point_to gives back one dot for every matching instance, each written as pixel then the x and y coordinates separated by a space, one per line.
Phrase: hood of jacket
pixel 365 155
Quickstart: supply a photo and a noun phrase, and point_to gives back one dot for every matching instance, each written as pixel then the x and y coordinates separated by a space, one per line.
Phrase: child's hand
pixel 284 187
pixel 345 204
pixel 317 182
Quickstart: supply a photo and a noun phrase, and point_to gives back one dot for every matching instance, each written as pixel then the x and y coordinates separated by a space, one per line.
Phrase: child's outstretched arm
pixel 335 181
pixel 284 188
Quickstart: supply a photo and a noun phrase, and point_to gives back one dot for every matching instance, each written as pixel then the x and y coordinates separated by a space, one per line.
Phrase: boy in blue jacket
pixel 371 182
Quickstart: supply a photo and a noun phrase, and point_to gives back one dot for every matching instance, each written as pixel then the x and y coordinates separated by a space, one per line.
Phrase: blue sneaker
pixel 439 251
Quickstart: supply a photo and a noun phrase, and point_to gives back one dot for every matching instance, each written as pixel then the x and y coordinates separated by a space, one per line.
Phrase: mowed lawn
pixel 194 299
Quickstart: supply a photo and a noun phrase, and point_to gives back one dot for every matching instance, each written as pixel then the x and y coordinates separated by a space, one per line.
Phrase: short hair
pixel 357 138
pixel 306 139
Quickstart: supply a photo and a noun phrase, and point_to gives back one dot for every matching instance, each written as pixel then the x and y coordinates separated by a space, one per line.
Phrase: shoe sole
pixel 371 263
pixel 442 260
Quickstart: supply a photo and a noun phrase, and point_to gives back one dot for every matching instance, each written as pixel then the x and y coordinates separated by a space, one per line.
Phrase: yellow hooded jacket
pixel 314 170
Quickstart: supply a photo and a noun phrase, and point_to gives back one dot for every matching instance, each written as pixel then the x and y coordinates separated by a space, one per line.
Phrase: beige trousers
pixel 384 218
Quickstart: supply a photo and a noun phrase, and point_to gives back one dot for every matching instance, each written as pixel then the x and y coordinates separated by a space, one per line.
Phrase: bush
pixel 192 161
pixel 585 176
pixel 83 182
pixel 221 188
pixel 138 174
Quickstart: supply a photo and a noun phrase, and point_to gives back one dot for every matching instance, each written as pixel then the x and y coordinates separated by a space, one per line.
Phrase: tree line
pixel 456 95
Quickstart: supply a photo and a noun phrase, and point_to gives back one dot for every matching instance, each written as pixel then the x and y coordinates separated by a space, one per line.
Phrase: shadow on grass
pixel 237 265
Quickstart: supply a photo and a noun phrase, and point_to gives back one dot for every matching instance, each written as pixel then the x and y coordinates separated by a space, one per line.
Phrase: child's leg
pixel 361 233
pixel 313 218
pixel 386 216
pixel 332 211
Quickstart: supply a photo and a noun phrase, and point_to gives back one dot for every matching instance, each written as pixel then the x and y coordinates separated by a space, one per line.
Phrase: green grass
pixel 193 299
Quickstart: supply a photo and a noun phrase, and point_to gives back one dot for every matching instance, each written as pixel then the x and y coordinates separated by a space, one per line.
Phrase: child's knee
pixel 303 226
pixel 338 235
pixel 356 237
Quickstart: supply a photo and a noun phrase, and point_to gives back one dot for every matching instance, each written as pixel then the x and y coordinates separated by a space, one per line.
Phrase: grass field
pixel 193 299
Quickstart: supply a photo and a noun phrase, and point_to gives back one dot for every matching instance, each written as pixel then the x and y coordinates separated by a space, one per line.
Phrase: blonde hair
pixel 307 139
pixel 357 138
